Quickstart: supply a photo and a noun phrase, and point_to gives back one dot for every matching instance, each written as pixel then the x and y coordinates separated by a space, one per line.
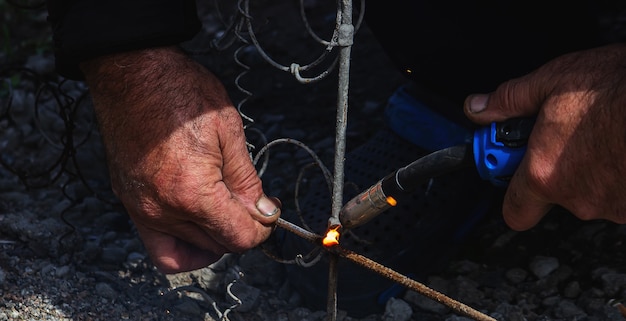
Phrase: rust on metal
pixel 386 272
pixel 410 283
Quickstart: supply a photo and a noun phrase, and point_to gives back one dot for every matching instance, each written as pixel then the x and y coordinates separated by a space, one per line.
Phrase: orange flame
pixel 332 237
pixel 391 201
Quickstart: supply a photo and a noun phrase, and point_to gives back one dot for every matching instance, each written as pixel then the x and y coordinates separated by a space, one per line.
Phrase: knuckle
pixel 586 211
pixel 540 179
pixel 507 94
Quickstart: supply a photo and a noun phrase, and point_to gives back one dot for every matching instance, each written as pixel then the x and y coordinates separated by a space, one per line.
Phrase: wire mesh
pixel 58 110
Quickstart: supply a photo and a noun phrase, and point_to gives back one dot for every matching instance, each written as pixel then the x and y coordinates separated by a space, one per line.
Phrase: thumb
pixel 514 98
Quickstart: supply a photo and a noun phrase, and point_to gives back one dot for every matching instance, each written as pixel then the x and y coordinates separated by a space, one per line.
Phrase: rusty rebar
pixel 410 283
pixel 388 273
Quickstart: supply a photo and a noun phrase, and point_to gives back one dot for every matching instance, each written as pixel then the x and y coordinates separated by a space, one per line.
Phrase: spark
pixel 332 237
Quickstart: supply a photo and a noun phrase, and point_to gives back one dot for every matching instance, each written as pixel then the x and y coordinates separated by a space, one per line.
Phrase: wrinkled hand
pixel 177 157
pixel 576 154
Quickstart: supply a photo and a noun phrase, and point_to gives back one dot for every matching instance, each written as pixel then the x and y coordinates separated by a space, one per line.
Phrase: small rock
pixel 91 205
pixel 572 290
pixel 466 290
pixel 397 310
pixel 189 307
pixel 541 266
pixel 113 254
pixel 465 267
pixel 516 275
pixel 561 274
pixel 109 236
pixel 135 257
pixel 504 239
pixel 46 270
pixel 510 312
pixel 106 291
pixel 62 271
pixel 42 63
pixel 110 219
pixel 424 303
pixel 299 314
pixel 569 311
pixel 61 206
pixel 613 282
pixel 132 245
pixel 551 301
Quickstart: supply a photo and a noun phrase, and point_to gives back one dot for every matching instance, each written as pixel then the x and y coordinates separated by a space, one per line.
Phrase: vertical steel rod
pixel 344 40
pixel 333 278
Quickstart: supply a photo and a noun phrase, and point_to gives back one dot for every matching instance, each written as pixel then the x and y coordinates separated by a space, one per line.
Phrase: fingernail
pixel 266 206
pixel 478 103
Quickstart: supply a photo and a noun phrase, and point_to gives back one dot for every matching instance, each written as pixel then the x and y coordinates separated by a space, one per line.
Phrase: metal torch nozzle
pixel 383 195
pixel 365 206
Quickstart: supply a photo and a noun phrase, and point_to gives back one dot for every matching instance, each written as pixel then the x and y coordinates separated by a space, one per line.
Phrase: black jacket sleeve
pixel 84 29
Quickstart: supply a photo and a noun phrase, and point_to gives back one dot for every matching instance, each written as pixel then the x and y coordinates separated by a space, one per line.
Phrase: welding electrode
pixel 496 151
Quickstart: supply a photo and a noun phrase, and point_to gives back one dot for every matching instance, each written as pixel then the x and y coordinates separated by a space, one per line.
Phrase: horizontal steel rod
pixel 387 273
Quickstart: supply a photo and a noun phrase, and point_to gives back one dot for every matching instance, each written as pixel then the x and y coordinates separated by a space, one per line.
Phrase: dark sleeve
pixel 457 47
pixel 84 29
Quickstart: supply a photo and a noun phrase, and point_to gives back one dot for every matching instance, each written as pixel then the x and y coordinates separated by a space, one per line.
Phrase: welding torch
pixel 495 151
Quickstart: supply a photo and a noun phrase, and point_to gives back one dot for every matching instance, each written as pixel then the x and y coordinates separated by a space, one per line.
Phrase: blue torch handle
pixel 499 149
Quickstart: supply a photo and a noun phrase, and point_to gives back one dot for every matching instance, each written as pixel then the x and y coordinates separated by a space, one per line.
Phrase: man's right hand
pixel 576 154
pixel 177 157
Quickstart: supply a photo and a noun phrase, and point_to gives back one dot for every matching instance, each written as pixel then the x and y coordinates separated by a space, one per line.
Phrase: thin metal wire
pixel 277 65
pixel 298 143
pixel 296 68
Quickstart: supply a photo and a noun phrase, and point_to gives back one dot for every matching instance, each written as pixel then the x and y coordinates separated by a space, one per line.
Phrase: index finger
pixel 522 208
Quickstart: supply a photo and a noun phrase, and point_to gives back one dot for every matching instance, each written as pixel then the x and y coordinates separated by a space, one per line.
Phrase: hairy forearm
pixel 147 97
pixel 158 84
pixel 126 85
pixel 124 90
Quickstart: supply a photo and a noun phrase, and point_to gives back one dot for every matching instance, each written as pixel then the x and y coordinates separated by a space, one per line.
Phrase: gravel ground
pixel 69 251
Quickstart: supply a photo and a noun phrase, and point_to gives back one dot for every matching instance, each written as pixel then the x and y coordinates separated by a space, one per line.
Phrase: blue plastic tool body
pixel 495 160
